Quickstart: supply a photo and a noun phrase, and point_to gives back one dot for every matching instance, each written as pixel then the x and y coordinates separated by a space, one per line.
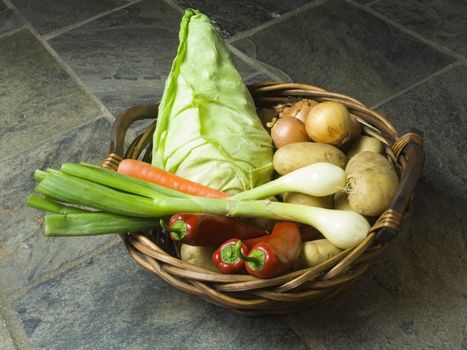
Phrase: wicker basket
pixel 297 290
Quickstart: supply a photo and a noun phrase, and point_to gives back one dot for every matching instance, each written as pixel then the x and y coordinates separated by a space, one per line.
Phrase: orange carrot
pixel 145 171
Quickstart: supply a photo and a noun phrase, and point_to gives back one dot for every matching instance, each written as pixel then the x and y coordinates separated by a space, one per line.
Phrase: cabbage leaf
pixel 207 128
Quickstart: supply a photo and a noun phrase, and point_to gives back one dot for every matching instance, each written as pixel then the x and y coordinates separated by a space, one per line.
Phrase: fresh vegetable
pixel 298 155
pixel 145 171
pixel 343 228
pixel 365 143
pixel 91 224
pixel 208 229
pixel 315 252
pixel 207 127
pixel 307 233
pixel 34 201
pixel 227 259
pixel 198 256
pixel 372 183
pixel 305 199
pixel 298 110
pixel 72 221
pixel 329 122
pixel 288 130
pixel 277 253
pixel 318 179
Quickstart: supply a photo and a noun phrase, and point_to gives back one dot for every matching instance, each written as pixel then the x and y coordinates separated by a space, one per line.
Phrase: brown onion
pixel 297 110
pixel 355 132
pixel 329 122
pixel 288 130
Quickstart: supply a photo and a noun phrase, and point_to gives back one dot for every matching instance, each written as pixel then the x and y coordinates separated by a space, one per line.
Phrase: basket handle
pixel 409 146
pixel 120 127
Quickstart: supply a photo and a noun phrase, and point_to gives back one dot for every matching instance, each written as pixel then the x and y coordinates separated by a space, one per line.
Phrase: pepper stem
pixel 177 231
pixel 256 260
pixel 231 253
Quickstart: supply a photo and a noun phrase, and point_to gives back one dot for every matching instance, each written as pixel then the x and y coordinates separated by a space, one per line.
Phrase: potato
pixel 365 143
pixel 199 256
pixel 315 252
pixel 372 183
pixel 367 159
pixel 301 198
pixel 341 202
pixel 297 155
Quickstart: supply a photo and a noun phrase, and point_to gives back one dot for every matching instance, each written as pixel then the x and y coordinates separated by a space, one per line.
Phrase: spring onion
pixel 318 179
pixel 66 222
pixel 91 224
pixel 343 228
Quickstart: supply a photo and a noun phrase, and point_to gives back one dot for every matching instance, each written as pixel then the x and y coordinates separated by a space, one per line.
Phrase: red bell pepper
pixel 307 233
pixel 227 258
pixel 208 229
pixel 276 253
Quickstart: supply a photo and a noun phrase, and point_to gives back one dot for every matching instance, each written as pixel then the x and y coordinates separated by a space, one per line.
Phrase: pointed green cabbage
pixel 207 129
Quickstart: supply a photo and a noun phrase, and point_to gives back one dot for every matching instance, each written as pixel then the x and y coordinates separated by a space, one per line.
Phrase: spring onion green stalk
pixel 71 189
pixel 119 181
pixel 34 201
pixel 342 228
pixel 90 224
pixel 40 175
pixel 318 179
pixel 93 223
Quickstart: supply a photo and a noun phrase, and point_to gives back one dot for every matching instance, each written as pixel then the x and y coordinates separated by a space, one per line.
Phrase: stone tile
pixel 38 99
pixel 233 17
pixel 438 108
pixel 24 253
pixel 48 15
pixel 8 20
pixel 414 295
pixel 364 2
pixel 123 306
pixel 439 21
pixel 6 343
pixel 344 49
pixel 125 57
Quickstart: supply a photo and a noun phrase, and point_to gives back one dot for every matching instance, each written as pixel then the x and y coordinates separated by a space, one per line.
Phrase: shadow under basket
pixel 296 290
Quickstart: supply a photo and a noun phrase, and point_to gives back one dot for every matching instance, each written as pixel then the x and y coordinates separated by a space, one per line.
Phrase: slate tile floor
pixel 66 68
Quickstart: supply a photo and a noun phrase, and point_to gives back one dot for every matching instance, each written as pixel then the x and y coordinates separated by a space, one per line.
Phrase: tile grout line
pixel 256 64
pixel 78 24
pixel 56 137
pixel 103 109
pixel 371 3
pixel 13 325
pixel 260 69
pixel 249 32
pixel 11 32
pixel 175 6
pixel 46 276
pixel 407 31
pixel 417 83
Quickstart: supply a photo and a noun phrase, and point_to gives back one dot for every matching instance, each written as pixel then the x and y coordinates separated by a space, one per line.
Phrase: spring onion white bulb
pixel 343 228
pixel 318 179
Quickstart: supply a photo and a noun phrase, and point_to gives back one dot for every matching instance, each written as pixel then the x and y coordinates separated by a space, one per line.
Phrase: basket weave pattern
pixel 297 290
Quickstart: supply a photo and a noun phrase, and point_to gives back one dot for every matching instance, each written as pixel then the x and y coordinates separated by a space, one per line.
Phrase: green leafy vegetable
pixel 208 130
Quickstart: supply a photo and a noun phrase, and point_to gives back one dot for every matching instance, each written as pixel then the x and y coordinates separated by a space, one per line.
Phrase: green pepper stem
pixel 178 229
pixel 253 259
